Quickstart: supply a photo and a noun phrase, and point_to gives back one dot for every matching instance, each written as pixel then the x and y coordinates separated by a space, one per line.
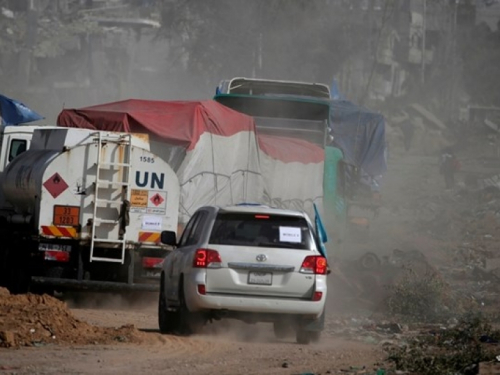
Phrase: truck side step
pixel 111 183
pixel 105 221
pixel 111 260
pixel 108 201
pixel 119 249
pixel 107 240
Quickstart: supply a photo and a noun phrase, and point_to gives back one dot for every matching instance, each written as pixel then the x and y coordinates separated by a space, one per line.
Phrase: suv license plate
pixel 260 278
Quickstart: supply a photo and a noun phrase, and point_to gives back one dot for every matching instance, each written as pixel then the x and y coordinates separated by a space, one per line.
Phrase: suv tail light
pixel 314 264
pixel 317 296
pixel 202 289
pixel 206 258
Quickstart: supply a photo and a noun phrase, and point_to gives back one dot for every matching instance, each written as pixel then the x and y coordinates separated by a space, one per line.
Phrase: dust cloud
pixel 374 51
pixel 172 50
pixel 127 301
pixel 233 330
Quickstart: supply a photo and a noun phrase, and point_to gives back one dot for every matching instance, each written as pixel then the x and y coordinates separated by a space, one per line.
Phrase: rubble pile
pixel 440 216
pixel 371 282
pixel 475 266
pixel 459 231
pixel 450 346
pixel 425 139
pixel 368 329
pixel 34 320
pixel 467 346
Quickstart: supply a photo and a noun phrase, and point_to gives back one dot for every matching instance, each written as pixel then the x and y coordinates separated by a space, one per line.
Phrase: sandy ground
pixel 226 348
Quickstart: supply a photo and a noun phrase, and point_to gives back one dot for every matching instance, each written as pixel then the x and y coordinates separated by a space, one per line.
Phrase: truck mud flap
pixel 93 285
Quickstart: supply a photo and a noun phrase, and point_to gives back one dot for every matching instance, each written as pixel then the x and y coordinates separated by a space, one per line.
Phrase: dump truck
pixel 290 112
pixel 349 142
pixel 82 209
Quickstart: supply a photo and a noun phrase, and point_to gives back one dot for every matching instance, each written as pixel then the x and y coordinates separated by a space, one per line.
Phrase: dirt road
pixel 225 348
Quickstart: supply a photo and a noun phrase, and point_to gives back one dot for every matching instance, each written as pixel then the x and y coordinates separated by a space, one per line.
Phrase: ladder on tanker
pixel 122 183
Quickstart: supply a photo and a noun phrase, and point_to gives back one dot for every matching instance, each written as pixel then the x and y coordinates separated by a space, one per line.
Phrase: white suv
pixel 251 263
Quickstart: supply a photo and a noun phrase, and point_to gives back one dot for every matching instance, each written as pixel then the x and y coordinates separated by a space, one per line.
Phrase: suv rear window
pixel 262 230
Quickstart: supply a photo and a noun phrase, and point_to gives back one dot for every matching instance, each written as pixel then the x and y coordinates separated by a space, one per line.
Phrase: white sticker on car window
pixel 290 234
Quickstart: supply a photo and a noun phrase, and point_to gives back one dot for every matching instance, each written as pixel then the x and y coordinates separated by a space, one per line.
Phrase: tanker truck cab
pixel 14 140
pixel 89 208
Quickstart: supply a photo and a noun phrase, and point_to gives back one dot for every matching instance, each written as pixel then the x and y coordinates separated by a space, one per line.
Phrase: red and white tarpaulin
pixel 293 172
pixel 220 157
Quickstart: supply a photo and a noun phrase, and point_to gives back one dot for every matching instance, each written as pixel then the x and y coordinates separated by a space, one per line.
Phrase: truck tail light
pixel 206 258
pixel 314 264
pixel 149 262
pixel 57 256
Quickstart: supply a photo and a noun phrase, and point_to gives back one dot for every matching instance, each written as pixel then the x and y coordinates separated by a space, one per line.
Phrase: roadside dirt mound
pixel 34 320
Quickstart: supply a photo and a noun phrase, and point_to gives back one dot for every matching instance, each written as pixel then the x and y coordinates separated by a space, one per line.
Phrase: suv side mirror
pixel 168 237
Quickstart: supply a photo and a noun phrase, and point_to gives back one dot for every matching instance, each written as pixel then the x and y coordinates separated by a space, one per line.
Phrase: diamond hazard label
pixel 157 199
pixel 55 185
pixel 157 202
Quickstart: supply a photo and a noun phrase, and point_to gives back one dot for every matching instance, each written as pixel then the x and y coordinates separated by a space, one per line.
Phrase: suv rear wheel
pixel 305 337
pixel 282 330
pixel 188 322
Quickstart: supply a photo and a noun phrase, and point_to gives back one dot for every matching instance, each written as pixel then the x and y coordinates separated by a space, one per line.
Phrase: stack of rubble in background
pixel 429 134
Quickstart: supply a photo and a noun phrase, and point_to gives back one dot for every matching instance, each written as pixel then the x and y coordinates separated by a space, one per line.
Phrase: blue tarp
pixel 13 112
pixel 334 91
pixel 357 131
pixel 320 231
pixel 360 134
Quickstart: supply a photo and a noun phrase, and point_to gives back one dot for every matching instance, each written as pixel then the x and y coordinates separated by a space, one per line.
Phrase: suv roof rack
pixel 251 204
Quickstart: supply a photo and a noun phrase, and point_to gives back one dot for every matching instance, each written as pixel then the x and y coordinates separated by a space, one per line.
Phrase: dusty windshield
pixel 262 230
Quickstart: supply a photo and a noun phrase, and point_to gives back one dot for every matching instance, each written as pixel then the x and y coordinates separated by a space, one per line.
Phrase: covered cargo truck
pixel 220 156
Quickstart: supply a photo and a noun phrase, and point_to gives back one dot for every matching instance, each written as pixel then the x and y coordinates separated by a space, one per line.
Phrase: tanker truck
pixel 82 209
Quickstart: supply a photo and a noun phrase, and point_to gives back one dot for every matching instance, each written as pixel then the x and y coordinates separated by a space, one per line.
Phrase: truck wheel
pixel 18 276
pixel 369 261
pixel 305 337
pixel 4 278
pixel 166 319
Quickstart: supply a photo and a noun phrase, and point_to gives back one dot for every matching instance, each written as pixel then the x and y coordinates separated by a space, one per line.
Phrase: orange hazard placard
pixel 139 198
pixel 66 215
